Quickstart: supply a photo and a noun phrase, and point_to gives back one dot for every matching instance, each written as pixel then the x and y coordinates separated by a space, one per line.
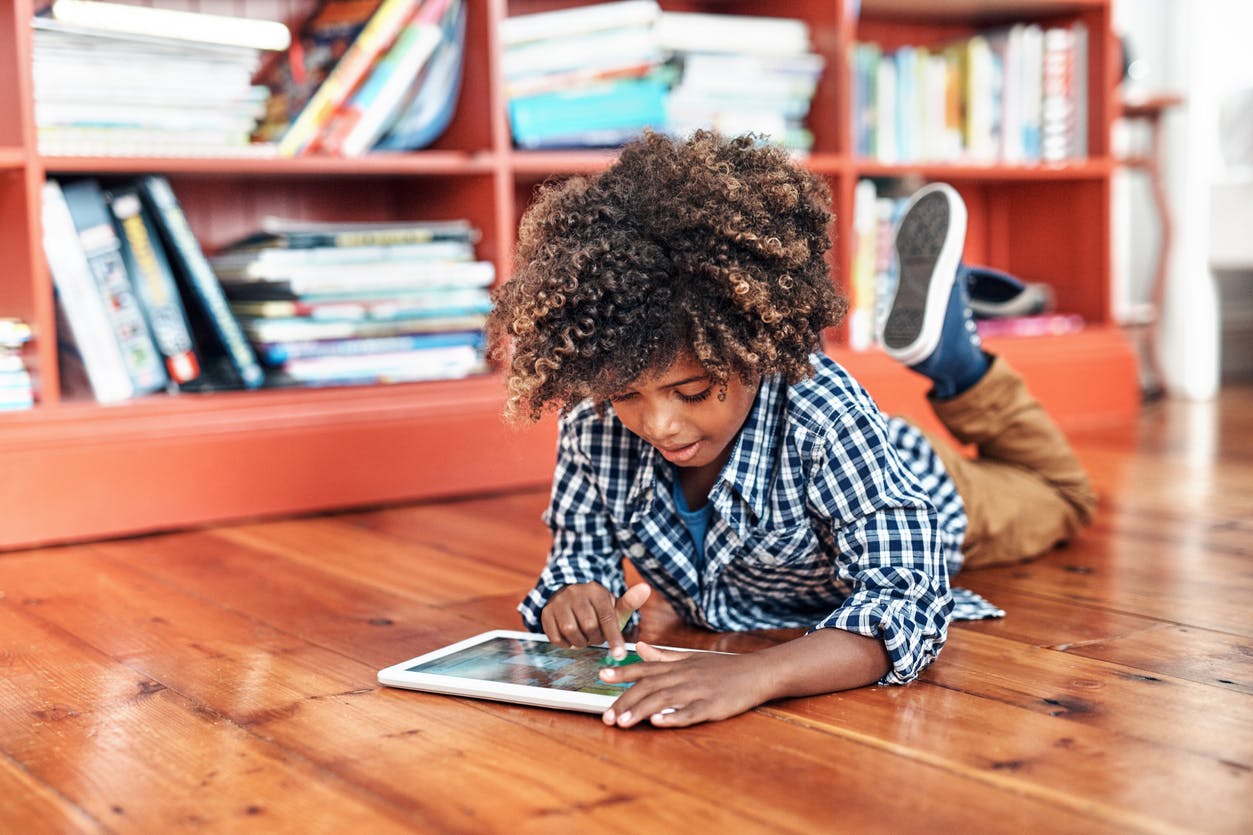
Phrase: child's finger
pixel 648 652
pixel 630 601
pixel 625 606
pixel 611 629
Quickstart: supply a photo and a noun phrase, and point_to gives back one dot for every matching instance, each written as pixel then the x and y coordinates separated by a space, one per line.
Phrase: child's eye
pixel 694 398
pixel 618 398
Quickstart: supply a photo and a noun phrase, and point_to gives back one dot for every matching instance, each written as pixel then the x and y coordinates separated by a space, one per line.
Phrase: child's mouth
pixel 681 455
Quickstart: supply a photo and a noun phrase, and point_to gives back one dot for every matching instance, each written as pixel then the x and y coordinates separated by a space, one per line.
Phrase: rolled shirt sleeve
pixel 892 556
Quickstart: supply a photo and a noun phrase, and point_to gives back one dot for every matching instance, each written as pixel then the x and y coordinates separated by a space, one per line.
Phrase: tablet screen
pixel 530 663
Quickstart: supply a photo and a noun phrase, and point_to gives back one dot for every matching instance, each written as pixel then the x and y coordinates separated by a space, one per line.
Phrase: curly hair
pixel 709 246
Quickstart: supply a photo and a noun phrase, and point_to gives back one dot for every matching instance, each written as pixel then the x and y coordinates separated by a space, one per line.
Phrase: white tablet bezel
pixel 399 675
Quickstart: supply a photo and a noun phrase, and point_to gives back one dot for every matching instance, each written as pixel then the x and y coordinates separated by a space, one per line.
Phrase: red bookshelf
pixel 75 471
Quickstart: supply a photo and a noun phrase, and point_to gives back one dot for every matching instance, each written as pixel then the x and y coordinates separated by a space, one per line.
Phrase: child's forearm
pixel 677 688
pixel 823 661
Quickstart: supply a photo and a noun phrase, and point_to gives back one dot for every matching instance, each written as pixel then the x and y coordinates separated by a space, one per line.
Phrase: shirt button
pixel 636 550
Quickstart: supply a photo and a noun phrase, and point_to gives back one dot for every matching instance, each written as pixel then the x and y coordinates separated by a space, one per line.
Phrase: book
pixel 744 34
pixel 1064 93
pixel 154 282
pixel 430 109
pixel 174 24
pixel 370 111
pixel 306 330
pixel 363 309
pixel 861 289
pixel 384 27
pixel 274 262
pixel 103 92
pixel 302 234
pixel 276 353
pixel 561 23
pixel 531 85
pixel 16 388
pixel 114 288
pixel 412 277
pixel 202 290
pixel 14 333
pixel 627 104
pixel 292 77
pixel 85 338
pixel 405 366
pixel 1043 324
pixel 620 47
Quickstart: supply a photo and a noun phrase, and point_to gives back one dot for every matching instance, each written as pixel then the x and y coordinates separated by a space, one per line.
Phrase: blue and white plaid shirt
pixel 828 514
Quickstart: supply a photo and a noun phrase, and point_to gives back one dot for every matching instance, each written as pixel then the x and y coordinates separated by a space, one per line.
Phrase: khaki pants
pixel 1025 492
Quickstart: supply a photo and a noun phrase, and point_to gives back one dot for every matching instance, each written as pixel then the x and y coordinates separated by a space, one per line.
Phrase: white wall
pixel 1199 49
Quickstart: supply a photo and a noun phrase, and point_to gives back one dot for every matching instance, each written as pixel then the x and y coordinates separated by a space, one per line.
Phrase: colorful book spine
pixel 405 366
pixel 297 235
pixel 562 23
pixel 861 322
pixel 198 277
pixel 154 283
pixel 370 111
pixel 86 332
pixel 618 105
pixel 277 353
pixel 417 276
pixel 1044 324
pixel 431 108
pixel 272 262
pixel 244 32
pixel 382 30
pixel 103 249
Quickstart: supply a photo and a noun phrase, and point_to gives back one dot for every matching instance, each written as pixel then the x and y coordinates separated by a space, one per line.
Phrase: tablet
pixel 520 667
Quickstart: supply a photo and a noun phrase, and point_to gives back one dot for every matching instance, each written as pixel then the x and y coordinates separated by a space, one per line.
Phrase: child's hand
pixel 676 689
pixel 586 613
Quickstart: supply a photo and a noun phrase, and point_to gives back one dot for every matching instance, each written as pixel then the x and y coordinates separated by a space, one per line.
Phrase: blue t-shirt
pixel 696 521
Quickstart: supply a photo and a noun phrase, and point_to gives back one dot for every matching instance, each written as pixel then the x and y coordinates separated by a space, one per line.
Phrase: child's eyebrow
pixel 686 381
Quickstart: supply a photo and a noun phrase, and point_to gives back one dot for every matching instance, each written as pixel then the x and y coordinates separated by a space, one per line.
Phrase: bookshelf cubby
pixel 74 470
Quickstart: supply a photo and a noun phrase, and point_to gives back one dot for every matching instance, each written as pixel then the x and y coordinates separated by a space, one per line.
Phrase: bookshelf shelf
pixel 1092 169
pixel 429 162
pixel 75 470
pixel 542 163
pixel 981 12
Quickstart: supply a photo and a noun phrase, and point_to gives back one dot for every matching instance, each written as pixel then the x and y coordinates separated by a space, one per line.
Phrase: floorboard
pixel 223 679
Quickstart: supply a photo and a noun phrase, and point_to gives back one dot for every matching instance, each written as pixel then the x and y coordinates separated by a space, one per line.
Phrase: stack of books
pixel 1013 95
pixel 740 74
pixel 584 77
pixel 16 391
pixel 596 76
pixel 344 303
pixel 114 79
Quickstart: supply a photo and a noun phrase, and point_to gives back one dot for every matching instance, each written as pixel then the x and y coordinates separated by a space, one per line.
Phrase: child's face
pixel 679 412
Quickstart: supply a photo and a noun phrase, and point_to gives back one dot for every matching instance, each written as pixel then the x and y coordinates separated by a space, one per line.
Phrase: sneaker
pixel 997 295
pixel 928 243
pixel 929 326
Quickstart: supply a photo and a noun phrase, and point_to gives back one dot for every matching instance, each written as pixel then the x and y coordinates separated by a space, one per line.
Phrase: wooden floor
pixel 224 680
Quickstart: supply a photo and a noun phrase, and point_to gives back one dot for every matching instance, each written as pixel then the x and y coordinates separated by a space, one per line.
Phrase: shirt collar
pixel 750 469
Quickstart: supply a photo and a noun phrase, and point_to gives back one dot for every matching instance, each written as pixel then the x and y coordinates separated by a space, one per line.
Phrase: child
pixel 671 308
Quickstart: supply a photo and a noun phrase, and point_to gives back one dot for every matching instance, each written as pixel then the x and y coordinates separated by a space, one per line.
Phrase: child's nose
pixel 660 423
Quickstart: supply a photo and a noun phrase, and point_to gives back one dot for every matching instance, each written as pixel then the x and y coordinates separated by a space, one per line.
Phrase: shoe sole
pixel 928 247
